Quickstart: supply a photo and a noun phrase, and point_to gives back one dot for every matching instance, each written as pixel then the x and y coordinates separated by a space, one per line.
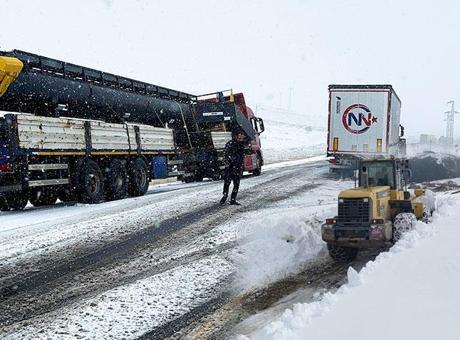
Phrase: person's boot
pixel 223 199
pixel 233 199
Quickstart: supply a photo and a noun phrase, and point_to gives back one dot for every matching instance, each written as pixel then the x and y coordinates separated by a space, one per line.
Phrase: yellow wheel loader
pixel 377 211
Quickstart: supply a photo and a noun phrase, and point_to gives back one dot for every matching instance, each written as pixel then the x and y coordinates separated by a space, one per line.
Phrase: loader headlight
pixel 327 232
pixel 376 232
pixel 365 200
pixel 330 221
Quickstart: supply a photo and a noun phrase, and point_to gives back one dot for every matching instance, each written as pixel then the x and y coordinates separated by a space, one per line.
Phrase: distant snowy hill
pixel 290 135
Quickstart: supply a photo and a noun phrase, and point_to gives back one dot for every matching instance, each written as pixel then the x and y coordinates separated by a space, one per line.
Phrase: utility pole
pixel 290 99
pixel 450 119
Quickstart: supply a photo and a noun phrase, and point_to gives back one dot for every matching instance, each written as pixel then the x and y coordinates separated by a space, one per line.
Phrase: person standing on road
pixel 233 160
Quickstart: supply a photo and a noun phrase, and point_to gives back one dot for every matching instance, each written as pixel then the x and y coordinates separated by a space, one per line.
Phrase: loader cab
pixel 379 173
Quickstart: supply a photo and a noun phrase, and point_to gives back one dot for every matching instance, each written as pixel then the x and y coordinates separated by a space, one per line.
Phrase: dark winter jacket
pixel 234 155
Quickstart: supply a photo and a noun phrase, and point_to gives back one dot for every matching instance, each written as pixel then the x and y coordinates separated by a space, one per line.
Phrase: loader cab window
pixel 380 174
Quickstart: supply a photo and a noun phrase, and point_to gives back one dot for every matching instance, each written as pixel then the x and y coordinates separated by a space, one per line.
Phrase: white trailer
pixel 364 123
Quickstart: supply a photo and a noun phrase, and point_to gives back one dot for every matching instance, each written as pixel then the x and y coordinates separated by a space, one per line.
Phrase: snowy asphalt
pixel 66 271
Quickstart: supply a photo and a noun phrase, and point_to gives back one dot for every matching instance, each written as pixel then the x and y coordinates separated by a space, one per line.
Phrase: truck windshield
pixel 380 173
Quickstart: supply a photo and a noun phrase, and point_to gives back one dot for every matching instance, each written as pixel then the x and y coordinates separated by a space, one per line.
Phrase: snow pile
pixel 291 136
pixel 279 241
pixel 434 166
pixel 409 292
pixel 275 247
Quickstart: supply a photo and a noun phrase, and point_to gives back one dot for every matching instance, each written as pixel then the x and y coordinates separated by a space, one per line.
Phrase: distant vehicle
pixel 75 133
pixel 363 123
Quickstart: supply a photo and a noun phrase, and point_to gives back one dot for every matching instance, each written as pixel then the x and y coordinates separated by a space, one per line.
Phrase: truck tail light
pixel 335 144
pixel 330 221
pixel 6 167
pixel 379 145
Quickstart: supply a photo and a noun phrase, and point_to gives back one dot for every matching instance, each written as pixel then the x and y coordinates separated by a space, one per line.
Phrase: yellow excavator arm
pixel 9 71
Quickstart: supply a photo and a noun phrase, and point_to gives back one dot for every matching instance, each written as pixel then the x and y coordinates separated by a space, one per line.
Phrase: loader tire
pixel 90 182
pixel 138 178
pixel 116 180
pixel 42 197
pixel 342 254
pixel 403 223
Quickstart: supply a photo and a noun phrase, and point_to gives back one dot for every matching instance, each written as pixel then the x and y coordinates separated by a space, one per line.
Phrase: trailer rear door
pixel 358 121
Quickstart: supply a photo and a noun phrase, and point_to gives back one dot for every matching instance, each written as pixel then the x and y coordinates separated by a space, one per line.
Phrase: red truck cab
pixel 253 161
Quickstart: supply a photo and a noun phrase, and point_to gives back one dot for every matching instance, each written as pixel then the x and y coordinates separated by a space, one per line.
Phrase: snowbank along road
pixel 171 263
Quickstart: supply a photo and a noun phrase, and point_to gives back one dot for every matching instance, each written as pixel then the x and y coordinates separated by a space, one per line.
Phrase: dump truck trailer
pixel 363 123
pixel 33 85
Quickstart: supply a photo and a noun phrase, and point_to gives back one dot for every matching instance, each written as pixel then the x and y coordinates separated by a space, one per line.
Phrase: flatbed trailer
pixel 45 158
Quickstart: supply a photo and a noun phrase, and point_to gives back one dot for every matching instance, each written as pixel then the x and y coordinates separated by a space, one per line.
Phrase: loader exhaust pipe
pixel 364 177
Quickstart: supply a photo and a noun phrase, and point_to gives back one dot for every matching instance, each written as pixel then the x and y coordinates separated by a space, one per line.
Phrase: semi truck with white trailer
pixel 363 123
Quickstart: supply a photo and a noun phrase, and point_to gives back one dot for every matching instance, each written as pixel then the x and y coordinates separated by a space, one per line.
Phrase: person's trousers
pixel 230 176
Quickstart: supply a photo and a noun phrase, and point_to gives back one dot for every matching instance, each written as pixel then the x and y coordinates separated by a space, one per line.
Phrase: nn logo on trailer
pixel 357 119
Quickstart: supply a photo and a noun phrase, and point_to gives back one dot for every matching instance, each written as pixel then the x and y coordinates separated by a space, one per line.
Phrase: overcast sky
pixel 261 48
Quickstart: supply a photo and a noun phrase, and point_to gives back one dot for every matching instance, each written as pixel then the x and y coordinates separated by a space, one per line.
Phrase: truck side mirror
pixel 261 125
pixel 401 128
pixel 258 125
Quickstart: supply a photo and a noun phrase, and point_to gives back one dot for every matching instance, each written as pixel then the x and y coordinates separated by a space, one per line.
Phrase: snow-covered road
pixel 408 292
pixel 155 264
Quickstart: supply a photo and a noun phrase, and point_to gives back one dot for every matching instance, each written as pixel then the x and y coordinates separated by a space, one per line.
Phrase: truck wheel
pixel 66 195
pixel 116 180
pixel 403 223
pixel 13 201
pixel 342 254
pixel 90 182
pixel 138 178
pixel 3 204
pixel 42 196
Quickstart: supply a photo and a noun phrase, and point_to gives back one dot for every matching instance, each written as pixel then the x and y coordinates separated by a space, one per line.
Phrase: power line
pixel 450 119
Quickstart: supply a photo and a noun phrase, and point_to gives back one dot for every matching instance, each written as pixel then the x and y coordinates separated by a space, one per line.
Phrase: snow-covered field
pixel 409 292
pixel 291 136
